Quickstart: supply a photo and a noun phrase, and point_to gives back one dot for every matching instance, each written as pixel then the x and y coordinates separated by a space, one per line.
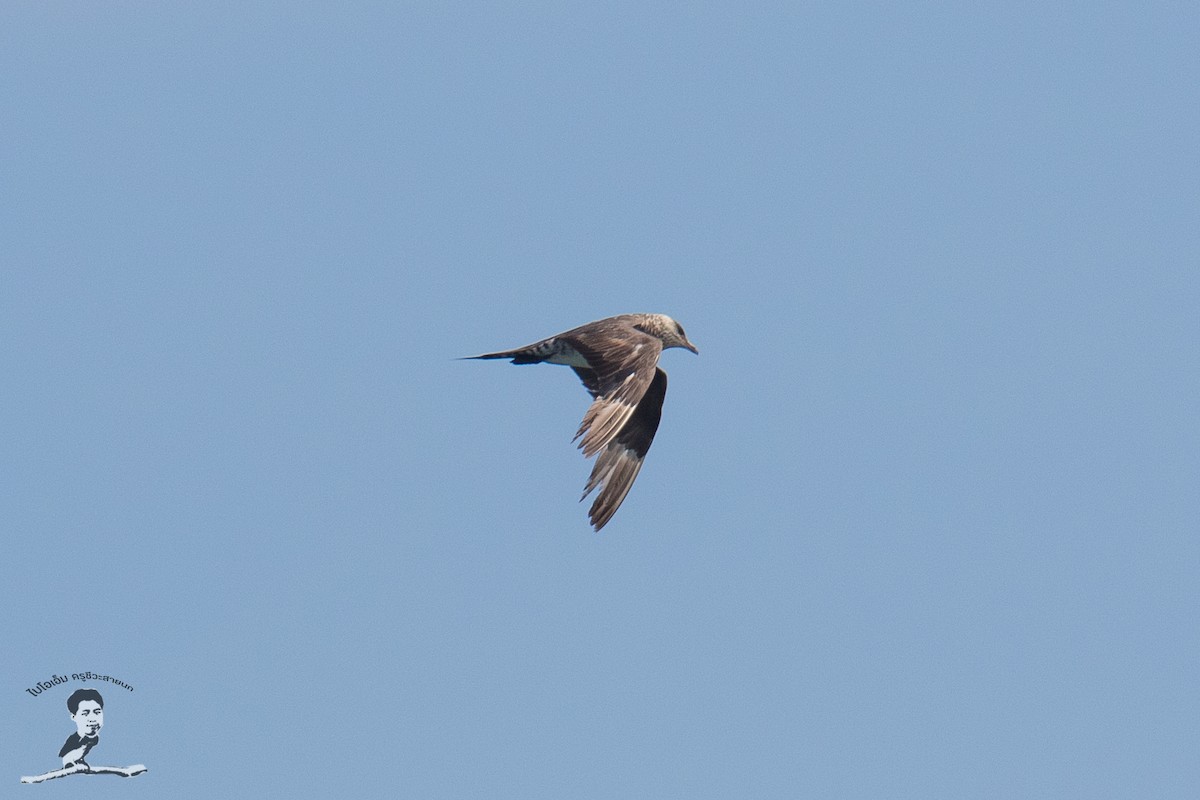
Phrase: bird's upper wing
pixel 619 464
pixel 621 365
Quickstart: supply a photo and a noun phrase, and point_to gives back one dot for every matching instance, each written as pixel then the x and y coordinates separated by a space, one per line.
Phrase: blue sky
pixel 920 521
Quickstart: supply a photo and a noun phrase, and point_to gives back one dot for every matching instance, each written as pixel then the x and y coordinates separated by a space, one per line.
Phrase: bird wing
pixel 621 460
pixel 590 381
pixel 621 365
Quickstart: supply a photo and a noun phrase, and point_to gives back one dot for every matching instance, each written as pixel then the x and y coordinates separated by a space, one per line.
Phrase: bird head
pixel 671 333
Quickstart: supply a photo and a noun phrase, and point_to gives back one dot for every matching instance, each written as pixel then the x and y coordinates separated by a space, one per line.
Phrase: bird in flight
pixel 617 360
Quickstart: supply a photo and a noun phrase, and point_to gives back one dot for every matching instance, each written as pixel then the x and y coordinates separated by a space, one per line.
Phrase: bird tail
pixel 485 355
pixel 517 356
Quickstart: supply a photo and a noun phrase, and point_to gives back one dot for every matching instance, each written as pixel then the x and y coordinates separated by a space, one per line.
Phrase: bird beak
pixel 691 347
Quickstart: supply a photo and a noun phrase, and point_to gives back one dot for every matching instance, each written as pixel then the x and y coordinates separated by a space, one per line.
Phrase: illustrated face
pixel 88 718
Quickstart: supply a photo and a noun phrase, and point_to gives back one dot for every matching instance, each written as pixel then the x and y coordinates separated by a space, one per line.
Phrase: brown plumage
pixel 617 360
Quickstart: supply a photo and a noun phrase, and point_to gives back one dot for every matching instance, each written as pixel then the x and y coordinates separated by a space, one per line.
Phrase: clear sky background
pixel 921 520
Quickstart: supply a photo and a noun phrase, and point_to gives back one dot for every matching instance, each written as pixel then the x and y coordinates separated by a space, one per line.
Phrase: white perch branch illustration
pixel 84 769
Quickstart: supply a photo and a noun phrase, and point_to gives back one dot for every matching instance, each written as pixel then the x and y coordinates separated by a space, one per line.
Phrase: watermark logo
pixel 86 707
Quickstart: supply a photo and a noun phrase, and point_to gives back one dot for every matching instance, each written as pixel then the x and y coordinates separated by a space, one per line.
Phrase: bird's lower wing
pixel 617 376
pixel 621 460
